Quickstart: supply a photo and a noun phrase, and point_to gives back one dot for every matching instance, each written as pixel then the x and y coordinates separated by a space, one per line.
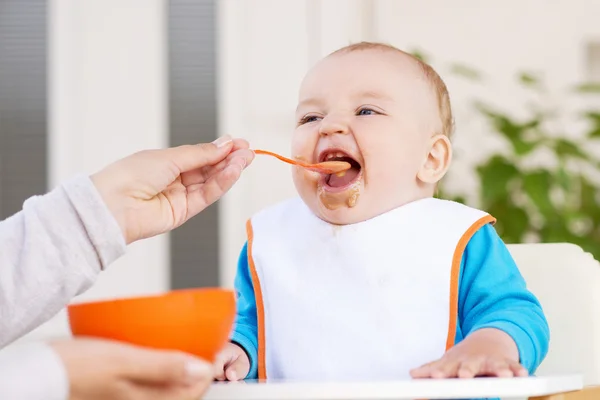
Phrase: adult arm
pixel 51 251
pixel 33 371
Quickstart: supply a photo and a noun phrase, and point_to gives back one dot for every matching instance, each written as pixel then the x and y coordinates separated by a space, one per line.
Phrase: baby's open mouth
pixel 342 180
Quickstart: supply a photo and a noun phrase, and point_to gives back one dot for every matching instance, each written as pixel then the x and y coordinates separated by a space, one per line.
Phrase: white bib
pixel 370 300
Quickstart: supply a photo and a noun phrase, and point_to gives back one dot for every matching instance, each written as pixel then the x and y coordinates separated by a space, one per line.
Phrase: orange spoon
pixel 326 167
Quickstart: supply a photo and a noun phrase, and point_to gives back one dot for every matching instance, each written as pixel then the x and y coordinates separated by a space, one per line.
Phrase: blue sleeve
pixel 493 294
pixel 245 331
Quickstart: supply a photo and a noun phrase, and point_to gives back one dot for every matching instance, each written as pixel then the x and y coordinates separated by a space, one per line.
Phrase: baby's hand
pixel 487 352
pixel 232 363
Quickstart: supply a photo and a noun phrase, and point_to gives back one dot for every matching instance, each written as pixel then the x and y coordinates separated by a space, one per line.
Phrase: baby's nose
pixel 331 126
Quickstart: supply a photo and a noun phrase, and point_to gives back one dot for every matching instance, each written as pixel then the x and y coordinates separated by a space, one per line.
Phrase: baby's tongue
pixel 339 181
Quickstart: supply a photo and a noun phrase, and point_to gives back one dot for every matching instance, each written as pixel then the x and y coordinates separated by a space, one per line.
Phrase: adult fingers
pixel 189 157
pixel 203 195
pixel 161 367
pixel 143 391
pixel 200 175
pixel 239 144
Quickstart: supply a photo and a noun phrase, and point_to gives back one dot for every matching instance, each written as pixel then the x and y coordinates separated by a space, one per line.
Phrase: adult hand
pixel 155 191
pixel 99 369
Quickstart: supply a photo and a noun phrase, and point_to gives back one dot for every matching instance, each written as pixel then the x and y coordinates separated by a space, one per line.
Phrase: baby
pixel 366 275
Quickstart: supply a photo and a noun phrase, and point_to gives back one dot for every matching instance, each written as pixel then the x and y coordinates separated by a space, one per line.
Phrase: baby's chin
pixel 341 216
pixel 341 207
pixel 340 204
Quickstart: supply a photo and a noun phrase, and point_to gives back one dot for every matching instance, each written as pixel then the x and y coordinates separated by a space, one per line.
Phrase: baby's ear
pixel 437 160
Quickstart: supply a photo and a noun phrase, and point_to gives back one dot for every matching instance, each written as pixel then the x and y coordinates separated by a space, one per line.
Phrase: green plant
pixel 557 202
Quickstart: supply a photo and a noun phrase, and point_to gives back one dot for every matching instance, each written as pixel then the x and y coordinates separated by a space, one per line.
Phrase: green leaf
pixel 588 196
pixel 512 221
pixel 459 199
pixel 565 148
pixel 588 87
pixel 529 79
pixel 441 194
pixel 466 72
pixel 594 117
pixel 419 54
pixel 495 176
pixel 563 179
pixel 512 130
pixel 559 233
pixel 537 185
pixel 522 147
pixel 556 229
pixel 594 133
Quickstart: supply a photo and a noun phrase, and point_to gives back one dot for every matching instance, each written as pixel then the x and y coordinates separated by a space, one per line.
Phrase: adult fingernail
pixel 222 141
pixel 197 369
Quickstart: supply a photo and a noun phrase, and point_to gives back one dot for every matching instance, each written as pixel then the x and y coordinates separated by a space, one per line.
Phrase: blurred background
pixel 84 82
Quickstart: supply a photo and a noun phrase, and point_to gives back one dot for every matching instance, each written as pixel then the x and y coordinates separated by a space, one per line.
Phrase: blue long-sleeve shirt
pixel 492 294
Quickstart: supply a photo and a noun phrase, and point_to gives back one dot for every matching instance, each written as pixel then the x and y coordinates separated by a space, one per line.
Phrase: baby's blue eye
pixel 366 111
pixel 308 119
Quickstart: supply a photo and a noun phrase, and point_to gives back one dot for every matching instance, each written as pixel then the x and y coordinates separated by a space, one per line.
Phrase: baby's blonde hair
pixel 437 84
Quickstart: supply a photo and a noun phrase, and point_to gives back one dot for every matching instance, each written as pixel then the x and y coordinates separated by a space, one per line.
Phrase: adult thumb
pixel 155 366
pixel 190 157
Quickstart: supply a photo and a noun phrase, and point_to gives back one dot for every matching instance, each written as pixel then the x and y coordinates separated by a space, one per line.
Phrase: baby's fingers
pixel 444 368
pixel 424 371
pixel 470 368
pixel 491 367
pixel 220 365
pixel 238 369
pixel 518 369
pixel 498 368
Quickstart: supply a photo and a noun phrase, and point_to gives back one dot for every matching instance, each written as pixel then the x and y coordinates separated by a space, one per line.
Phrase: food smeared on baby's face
pixel 375 110
pixel 333 200
pixel 341 189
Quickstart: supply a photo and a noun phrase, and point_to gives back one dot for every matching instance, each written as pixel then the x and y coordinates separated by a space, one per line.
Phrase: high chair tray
pixel 397 390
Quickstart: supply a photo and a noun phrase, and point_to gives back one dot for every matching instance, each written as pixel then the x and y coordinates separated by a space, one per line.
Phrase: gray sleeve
pixel 32 372
pixel 52 251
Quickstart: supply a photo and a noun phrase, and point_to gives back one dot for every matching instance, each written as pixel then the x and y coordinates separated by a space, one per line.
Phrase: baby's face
pixel 374 109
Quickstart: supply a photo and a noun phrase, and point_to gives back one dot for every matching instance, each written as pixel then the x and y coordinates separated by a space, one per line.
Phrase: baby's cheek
pixel 303 144
pixel 303 178
pixel 388 179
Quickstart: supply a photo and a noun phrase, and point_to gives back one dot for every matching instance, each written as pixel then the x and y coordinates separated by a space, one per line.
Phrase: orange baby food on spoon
pixel 325 167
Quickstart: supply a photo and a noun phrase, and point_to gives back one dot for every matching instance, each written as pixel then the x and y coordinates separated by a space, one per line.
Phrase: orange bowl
pixel 196 321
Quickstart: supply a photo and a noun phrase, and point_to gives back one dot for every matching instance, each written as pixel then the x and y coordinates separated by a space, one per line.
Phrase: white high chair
pixel 566 280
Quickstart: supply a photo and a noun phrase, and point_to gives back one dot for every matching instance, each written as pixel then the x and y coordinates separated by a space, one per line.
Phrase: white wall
pixel 266 46
pixel 107 98
pixel 499 39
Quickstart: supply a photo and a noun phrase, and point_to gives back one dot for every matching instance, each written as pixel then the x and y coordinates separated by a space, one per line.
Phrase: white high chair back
pixel 566 280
